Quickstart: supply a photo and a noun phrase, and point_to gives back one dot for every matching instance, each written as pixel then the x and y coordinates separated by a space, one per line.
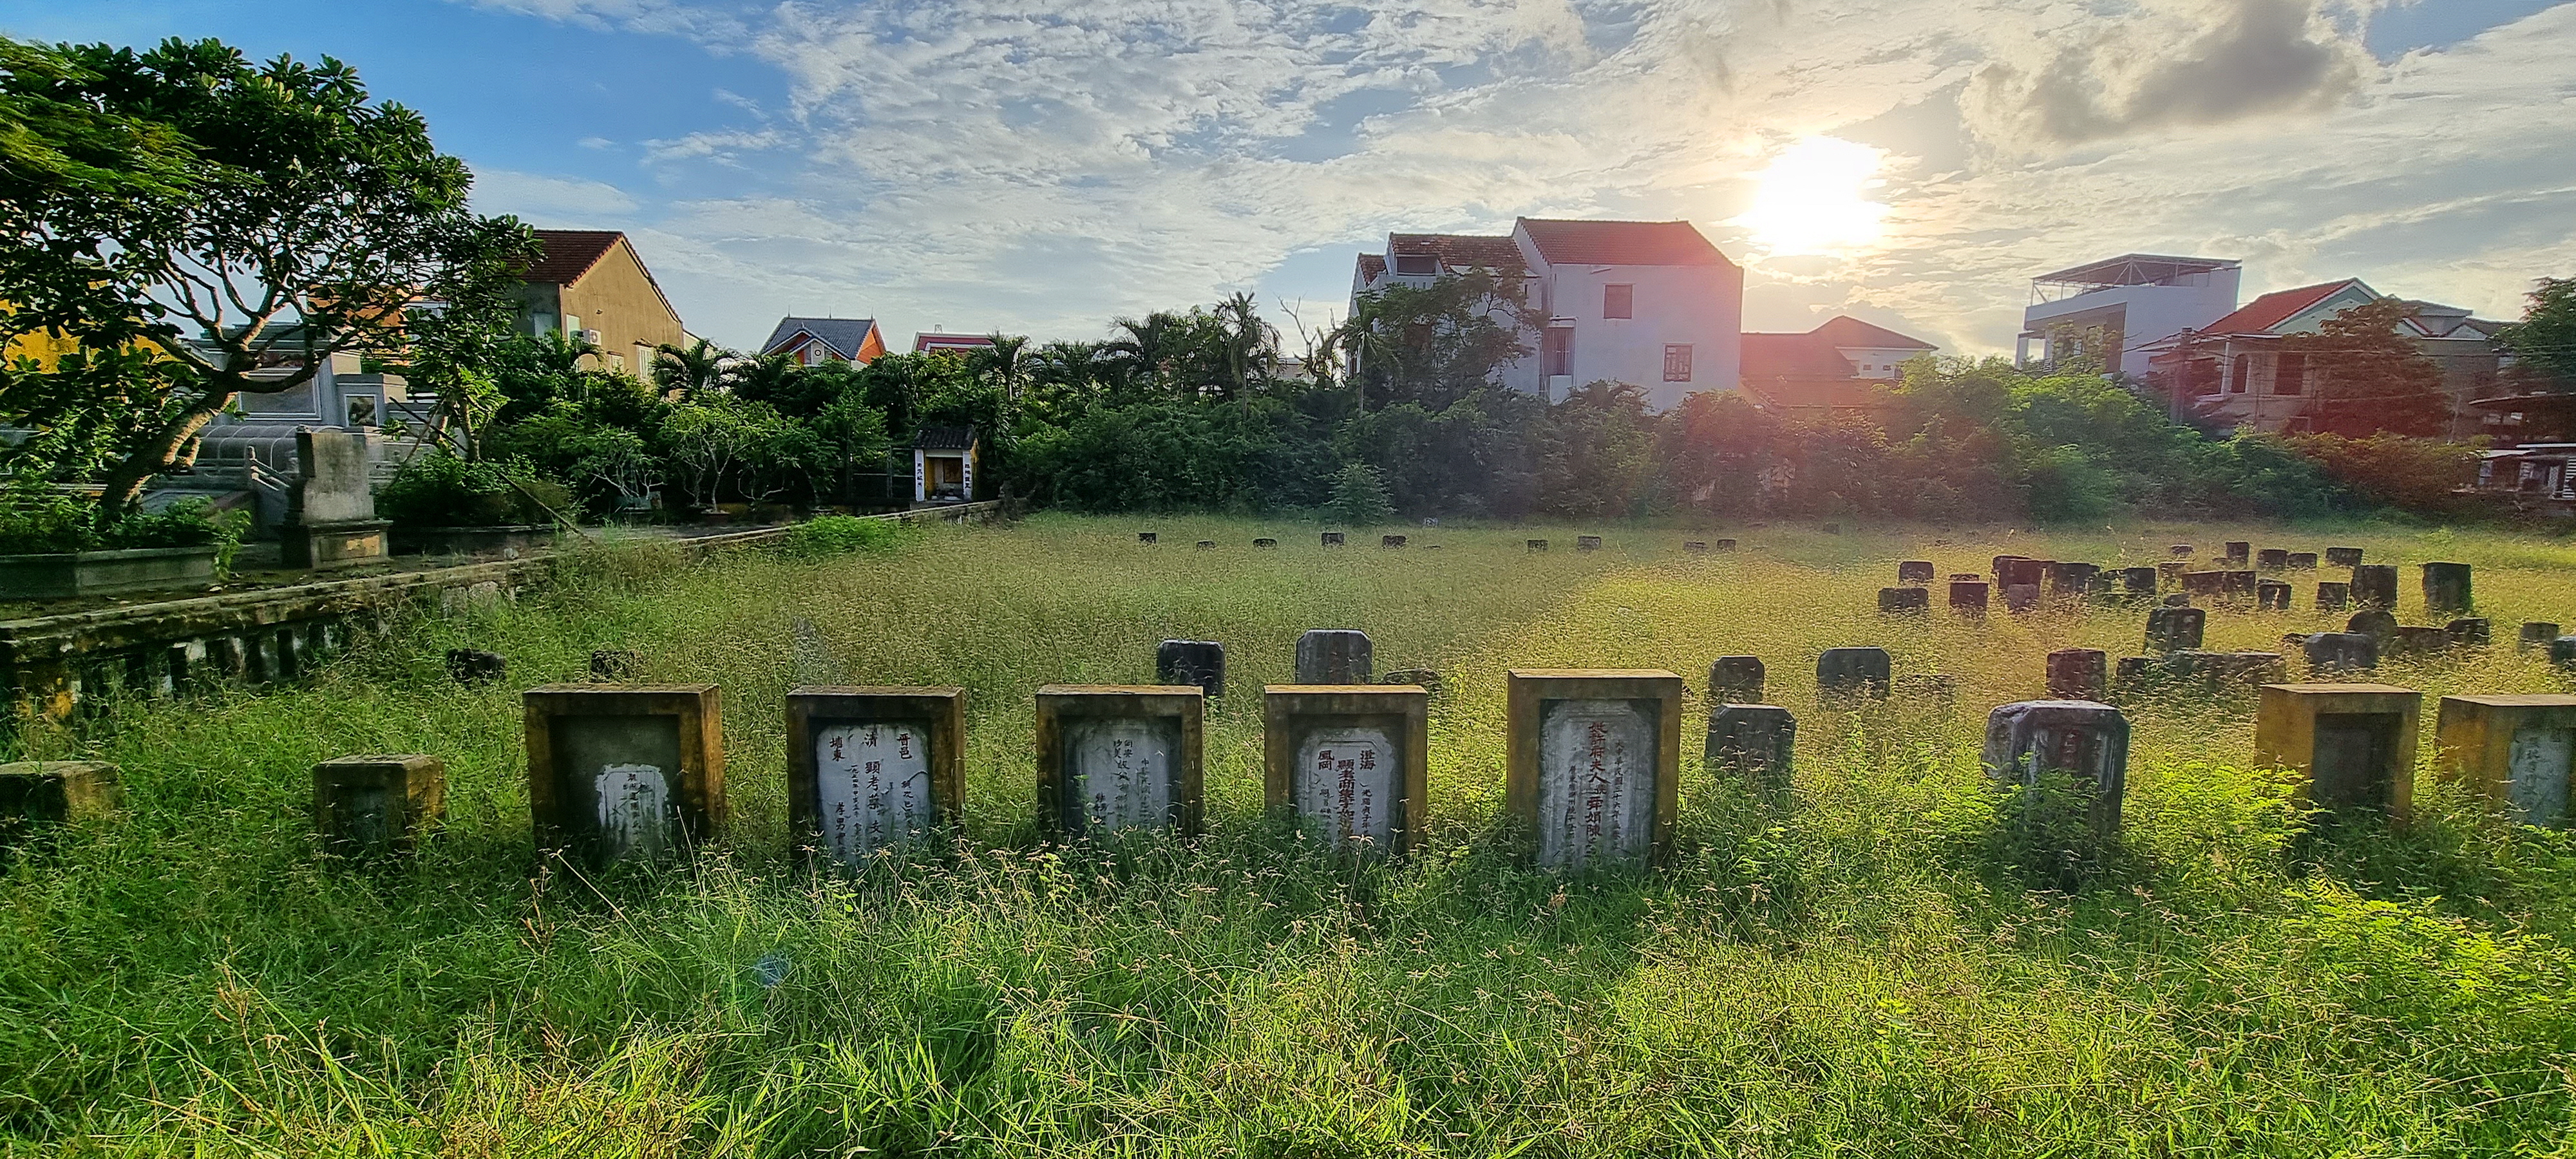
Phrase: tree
pixel 2545 340
pixel 1436 344
pixel 1005 361
pixel 2365 377
pixel 1359 495
pixel 691 372
pixel 290 219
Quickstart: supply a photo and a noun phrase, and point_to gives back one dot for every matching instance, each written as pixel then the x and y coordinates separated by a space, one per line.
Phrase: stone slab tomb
pixel 1852 672
pixel 1335 539
pixel 1146 537
pixel 39 796
pixel 2212 584
pixel 2239 551
pixel 1897 601
pixel 2021 597
pixel 1594 760
pixel 2536 634
pixel 1536 544
pixel 615 664
pixel 2470 631
pixel 2343 557
pixel 2330 652
pixel 2354 744
pixel 2333 596
pixel 1968 596
pixel 2179 551
pixel 618 774
pixel 2078 674
pixel 1199 662
pixel 2272 596
pixel 1335 656
pixel 2514 751
pixel 2002 567
pixel 2138 582
pixel 1735 680
pixel 1753 741
pixel 2377 623
pixel 1587 543
pixel 1423 678
pixel 1205 544
pixel 2303 561
pixel 2272 559
pixel 2170 574
pixel 871 768
pixel 1265 543
pixel 1390 541
pixel 1915 571
pixel 1695 546
pixel 2447 587
pixel 379 805
pixel 473 666
pixel 2080 738
pixel 2176 629
pixel 2073 580
pixel 1352 764
pixel 1113 757
pixel 2375 586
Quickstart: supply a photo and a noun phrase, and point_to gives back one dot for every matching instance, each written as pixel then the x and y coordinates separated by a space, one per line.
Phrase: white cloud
pixel 551 201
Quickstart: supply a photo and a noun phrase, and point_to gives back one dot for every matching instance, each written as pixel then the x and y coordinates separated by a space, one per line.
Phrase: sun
pixel 1814 199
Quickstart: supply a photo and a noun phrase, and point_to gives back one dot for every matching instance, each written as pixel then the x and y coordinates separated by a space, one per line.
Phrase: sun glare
pixel 1814 199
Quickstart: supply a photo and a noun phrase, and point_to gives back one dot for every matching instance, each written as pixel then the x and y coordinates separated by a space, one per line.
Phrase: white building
pixel 2116 307
pixel 1650 303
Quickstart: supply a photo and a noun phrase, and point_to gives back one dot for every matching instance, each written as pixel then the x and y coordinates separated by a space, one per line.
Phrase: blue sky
pixel 1039 167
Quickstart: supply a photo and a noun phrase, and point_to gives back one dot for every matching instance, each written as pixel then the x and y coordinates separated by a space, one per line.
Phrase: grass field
pixel 1875 967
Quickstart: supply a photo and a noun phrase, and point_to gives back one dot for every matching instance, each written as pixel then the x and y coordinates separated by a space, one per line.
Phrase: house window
pixel 2290 374
pixel 1556 350
pixel 1618 301
pixel 1677 363
pixel 1423 265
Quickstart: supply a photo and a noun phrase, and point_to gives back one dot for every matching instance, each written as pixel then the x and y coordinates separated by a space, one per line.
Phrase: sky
pixel 1042 166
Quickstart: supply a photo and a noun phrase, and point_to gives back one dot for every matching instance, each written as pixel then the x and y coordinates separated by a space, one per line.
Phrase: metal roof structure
pixel 2134 270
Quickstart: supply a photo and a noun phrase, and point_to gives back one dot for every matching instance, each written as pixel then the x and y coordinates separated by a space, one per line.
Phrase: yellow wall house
pixel 591 283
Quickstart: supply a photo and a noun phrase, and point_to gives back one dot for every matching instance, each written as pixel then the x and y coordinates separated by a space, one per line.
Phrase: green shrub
pixel 48 522
pixel 1359 495
pixel 836 534
pixel 446 490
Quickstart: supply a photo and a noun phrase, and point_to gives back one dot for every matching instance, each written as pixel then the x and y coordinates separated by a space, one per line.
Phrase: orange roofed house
pixel 2234 370
pixel 815 341
pixel 590 283
pixel 1844 366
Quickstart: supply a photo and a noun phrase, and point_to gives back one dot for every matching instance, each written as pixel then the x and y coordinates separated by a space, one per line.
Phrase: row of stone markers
pixel 1342 539
pixel 2026 583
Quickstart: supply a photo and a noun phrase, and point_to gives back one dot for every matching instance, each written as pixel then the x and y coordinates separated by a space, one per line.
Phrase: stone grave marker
pixel 2272 559
pixel 2272 596
pixel 2343 557
pixel 2082 738
pixel 2419 640
pixel 1351 762
pixel 2180 551
pixel 1335 538
pixel 1113 757
pixel 2355 743
pixel 2071 579
pixel 1199 662
pixel 2242 585
pixel 1390 541
pixel 1265 543
pixel 615 665
pixel 1145 537
pixel 2176 629
pixel 2135 670
pixel 331 508
pixel 2003 567
pixel 1852 672
pixel 1335 656
pixel 1754 741
pixel 2078 674
pixel 2303 561
pixel 1537 545
pixel 1969 596
pixel 1424 678
pixel 37 796
pixel 1915 571
pixel 2375 586
pixel 377 806
pixel 2330 652
pixel 2536 634
pixel 2375 623
pixel 1965 575
pixel 2515 751
pixel 2446 587
pixel 2032 572
pixel 2470 631
pixel 1897 601
pixel 1726 545
pixel 471 666
pixel 2138 582
pixel 632 773
pixel 2205 583
pixel 1735 680
pixel 2021 597
pixel 2239 551
pixel 1587 543
pixel 1205 544
pixel 2170 574
pixel 1594 763
pixel 1695 546
pixel 2562 652
pixel 871 768
pixel 2333 597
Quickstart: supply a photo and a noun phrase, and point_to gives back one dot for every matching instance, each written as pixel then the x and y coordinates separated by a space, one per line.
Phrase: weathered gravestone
pixel 2353 743
pixel 2238 551
pixel 2470 631
pixel 2212 584
pixel 1904 600
pixel 2021 597
pixel 1754 741
pixel 2333 597
pixel 2079 738
pixel 2376 623
pixel 2003 567
pixel 1265 543
pixel 1852 672
pixel 1594 763
pixel 1205 544
pixel 2071 579
pixel 2175 629
pixel 2419 640
pixel 37 796
pixel 2243 585
pixel 2536 634
pixel 871 768
pixel 615 664
pixel 1350 762
pixel 2562 652
pixel 1390 541
pixel 1968 596
pixel 1735 680
pixel 2018 572
pixel 1537 545
pixel 2170 574
pixel 2446 587
pixel 2220 672
pixel 1587 543
pixel 2138 582
pixel 1335 656
pixel 2078 674
pixel 377 806
pixel 1145 537
pixel 2330 652
pixel 2375 586
pixel 620 774
pixel 1199 662
pixel 1116 757
pixel 2180 551
pixel 2272 559
pixel 331 510
pixel 2515 751
pixel 2343 557
pixel 1695 546
pixel 1423 678
pixel 2303 561
pixel 2272 596
pixel 1915 571
pixel 1726 545
pixel 1335 539
pixel 472 666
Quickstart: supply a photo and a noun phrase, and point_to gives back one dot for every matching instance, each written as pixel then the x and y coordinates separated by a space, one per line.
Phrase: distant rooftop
pixel 2134 270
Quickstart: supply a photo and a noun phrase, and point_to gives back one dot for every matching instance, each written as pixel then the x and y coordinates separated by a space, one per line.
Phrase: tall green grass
pixel 1877 966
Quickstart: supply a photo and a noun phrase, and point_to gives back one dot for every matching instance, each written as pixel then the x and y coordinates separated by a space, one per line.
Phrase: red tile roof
pixel 1818 393
pixel 568 254
pixel 1622 243
pixel 1780 356
pixel 1372 267
pixel 1844 330
pixel 2261 314
pixel 1459 250
pixel 922 342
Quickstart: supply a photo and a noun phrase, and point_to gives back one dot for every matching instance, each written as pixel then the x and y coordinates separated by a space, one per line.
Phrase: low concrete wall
pixel 52 664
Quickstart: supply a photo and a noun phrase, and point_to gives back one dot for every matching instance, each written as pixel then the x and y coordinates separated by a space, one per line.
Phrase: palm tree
pixel 691 372
pixel 1146 349
pixel 1006 360
pixel 1248 348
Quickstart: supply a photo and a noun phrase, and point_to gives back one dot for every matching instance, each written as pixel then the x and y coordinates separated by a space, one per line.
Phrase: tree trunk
pixel 125 481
